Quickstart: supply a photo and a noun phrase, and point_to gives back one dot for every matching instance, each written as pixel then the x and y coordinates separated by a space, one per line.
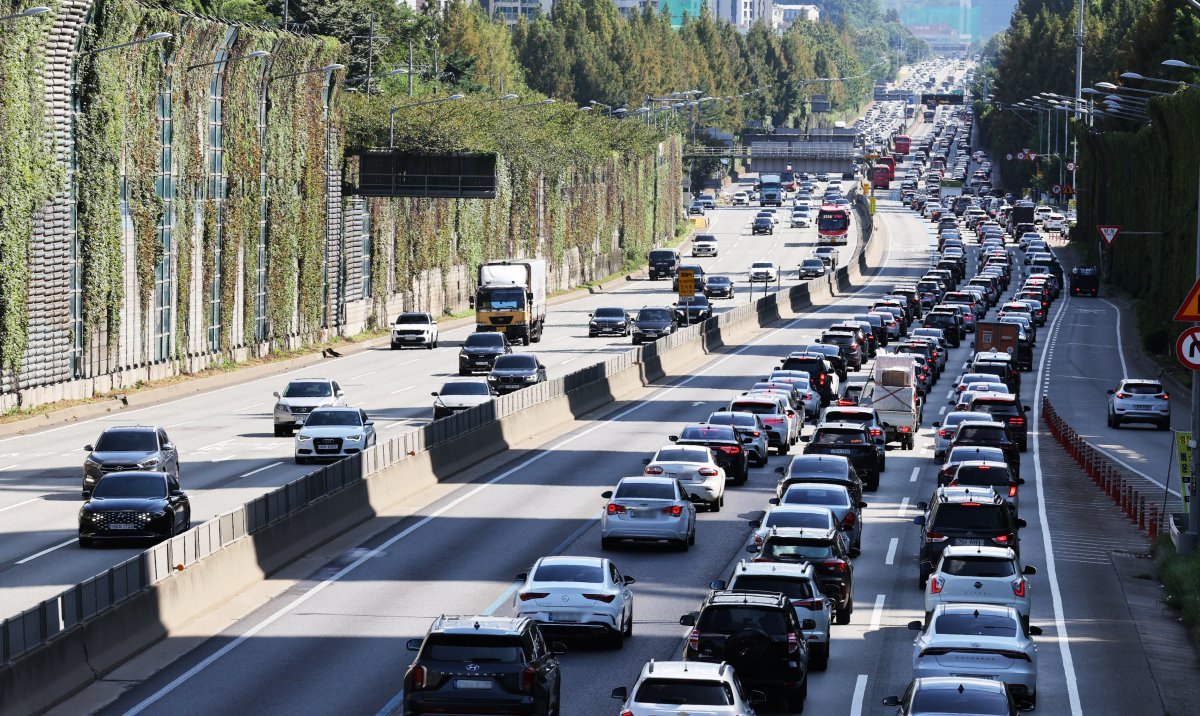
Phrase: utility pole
pixel 410 68
pixel 1188 545
pixel 370 51
pixel 1078 83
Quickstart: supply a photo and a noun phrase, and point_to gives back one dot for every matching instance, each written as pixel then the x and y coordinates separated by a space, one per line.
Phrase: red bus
pixel 833 224
pixel 881 176
pixel 889 162
pixel 902 143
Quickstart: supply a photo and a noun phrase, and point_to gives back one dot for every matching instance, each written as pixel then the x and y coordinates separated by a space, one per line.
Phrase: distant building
pixel 972 21
pixel 782 16
pixel 513 10
pixel 630 8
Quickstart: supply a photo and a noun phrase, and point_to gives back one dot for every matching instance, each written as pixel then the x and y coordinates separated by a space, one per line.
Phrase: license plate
pixel 299 419
pixel 840 451
pixel 1143 407
pixel 412 338
pixel 969 542
pixel 472 684
pixel 989 677
pixel 122 527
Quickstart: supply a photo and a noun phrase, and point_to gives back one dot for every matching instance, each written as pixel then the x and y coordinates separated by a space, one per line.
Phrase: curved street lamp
pixel 30 12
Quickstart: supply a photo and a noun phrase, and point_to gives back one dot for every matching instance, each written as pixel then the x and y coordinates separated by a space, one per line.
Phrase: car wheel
pixel 1114 422
pixel 187 520
pixel 783 449
pixel 1164 425
pixel 629 625
pixel 683 544
pixel 795 700
pixel 873 485
pixel 692 537
pixel 395 347
pixel 717 504
pixel 616 638
pixel 843 615
pixel 85 542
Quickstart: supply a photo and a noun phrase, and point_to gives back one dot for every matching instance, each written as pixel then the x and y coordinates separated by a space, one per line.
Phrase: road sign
pixel 1021 155
pixel 1068 190
pixel 1070 166
pixel 1056 189
pixel 687 282
pixel 1190 310
pixel 1032 156
pixel 1187 469
pixel 1008 157
pixel 1108 233
pixel 1025 151
pixel 1187 348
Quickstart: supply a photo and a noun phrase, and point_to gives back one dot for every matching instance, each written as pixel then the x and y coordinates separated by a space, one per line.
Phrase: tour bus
pixel 902 143
pixel 833 224
pixel 881 176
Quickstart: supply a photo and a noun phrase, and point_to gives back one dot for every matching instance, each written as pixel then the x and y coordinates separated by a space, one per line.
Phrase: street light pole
pixel 392 114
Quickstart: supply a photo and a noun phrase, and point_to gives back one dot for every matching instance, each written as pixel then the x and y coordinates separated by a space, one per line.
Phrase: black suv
pixel 833 355
pixel 848 345
pixel 948 323
pixel 480 351
pixel 759 635
pixel 609 320
pixel 818 369
pixel 483 665
pixel 723 442
pixel 993 434
pixel 693 310
pixel 652 323
pixel 852 441
pixel 1005 409
pixel 826 550
pixel 970 516
pixel 129 447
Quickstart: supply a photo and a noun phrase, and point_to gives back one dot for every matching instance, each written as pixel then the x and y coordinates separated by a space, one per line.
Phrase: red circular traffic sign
pixel 1187 348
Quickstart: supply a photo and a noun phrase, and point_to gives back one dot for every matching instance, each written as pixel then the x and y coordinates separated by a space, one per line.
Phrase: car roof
pixel 990 464
pixel 463 624
pixel 310 380
pixel 646 480
pixel 993 610
pixel 686 670
pixel 130 428
pixel 340 408
pixel 841 425
pixel 950 683
pixel 801 570
pixel 966 494
pixel 572 559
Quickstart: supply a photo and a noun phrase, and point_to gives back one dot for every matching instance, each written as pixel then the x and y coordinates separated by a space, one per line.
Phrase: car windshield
pixel 501 299
pixel 334 417
pixel 762 265
pixel 971 625
pixel 968 515
pixel 127 441
pixel 413 318
pixel 791 550
pixel 308 390
pixel 789 587
pixel 684 692
pixel 474 648
pixel 484 340
pixel 717 280
pixel 662 255
pixel 978 567
pixel 729 619
pixel 682 454
pixel 558 572
pixel 803 495
pixel 1143 388
pixel 838 437
pixel 697 300
pixel 516 361
pixel 968 701
pixel 654 314
pixel 645 491
pixel 788 518
pixel 610 313
pixel 119 485
pixel 759 408
pixel 465 388
pixel 813 263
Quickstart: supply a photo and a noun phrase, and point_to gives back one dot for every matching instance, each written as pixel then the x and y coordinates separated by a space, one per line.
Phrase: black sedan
pixel 718 287
pixel 609 320
pixel 652 324
pixel 515 371
pixel 134 505
pixel 480 351
pixel 692 310
pixel 728 450
pixel 762 225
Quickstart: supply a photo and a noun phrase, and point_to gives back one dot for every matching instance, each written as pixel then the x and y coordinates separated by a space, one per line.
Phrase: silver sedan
pixel 648 509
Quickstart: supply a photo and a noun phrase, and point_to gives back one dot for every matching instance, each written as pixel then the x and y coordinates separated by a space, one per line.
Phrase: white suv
pixel 667 687
pixel 704 245
pixel 764 271
pixel 414 329
pixel 1137 400
pixel 979 575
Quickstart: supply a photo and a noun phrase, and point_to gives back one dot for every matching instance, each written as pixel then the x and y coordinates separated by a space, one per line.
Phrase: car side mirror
pixel 688 619
pixel 607 494
pixel 434 393
pixel 916 625
pixel 1029 569
pixel 413 644
pixel 369 422
pixel 861 505
pixel 891 701
pixel 716 584
pixel 168 446
pixel 1035 631
pixel 936 425
pixel 591 315
pixel 673 438
pixel 341 394
pixel 753 548
pixel 629 580
pixel 854 552
pixel 1111 392
pixel 805 438
pixel 1025 706
pixel 176 493
pixel 919 520
pixel 1020 522
pixel 521 577
pixel 922 505
pixel 773 501
pixel 276 393
pixel 620 693
pixel 791 413
pixel 558 648
pixel 89 448
pixel 1025 408
pixel 808 624
pixel 779 470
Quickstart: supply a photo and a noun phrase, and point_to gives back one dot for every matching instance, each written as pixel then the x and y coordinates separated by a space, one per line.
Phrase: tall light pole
pixel 30 12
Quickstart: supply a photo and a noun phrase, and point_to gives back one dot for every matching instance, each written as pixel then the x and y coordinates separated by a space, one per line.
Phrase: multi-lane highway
pixel 229 455
pixel 334 642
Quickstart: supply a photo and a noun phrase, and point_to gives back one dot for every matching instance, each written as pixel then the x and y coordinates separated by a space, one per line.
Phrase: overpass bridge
pixel 774 157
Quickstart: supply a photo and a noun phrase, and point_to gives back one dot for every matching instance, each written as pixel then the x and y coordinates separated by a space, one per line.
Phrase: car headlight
pixel 150 462
pixel 92 461
pixel 303 438
pixel 530 378
pixel 282 407
pixel 354 438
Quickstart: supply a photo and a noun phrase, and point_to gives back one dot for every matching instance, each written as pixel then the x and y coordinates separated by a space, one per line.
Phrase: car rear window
pixel 1143 388
pixel 789 587
pixel 969 701
pixel 788 550
pixel 978 567
pixel 645 490
pixel 814 496
pixel 588 573
pixel 972 625
pixel 730 619
pixel 985 475
pixel 838 437
pixel 478 649
pixel 965 515
pixel 756 407
pixel 843 416
pixel 992 406
pixel 788 518
pixel 980 434
pixel 683 454
pixel 707 433
pixel 684 692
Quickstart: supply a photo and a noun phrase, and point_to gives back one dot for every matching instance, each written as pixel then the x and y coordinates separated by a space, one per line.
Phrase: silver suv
pixel 129 447
pixel 1137 400
pixel 297 401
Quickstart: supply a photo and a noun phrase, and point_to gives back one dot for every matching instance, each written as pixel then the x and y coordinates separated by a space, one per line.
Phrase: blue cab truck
pixel 770 190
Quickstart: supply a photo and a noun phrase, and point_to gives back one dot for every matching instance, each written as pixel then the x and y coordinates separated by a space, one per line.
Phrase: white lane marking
pixel 186 422
pixel 1060 622
pixel 19 504
pixel 877 613
pixel 387 544
pixel 46 551
pixel 942 410
pixel 364 375
pixel 891 553
pixel 249 407
pixel 860 693
pixel 915 474
pixel 407 362
pixel 1120 344
pixel 392 706
pixel 401 390
pixel 209 447
pixel 261 469
pixel 569 360
pixel 15 465
pixel 903 507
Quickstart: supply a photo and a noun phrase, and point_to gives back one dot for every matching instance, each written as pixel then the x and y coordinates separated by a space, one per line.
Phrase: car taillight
pixel 615 509
pixel 945 432
pixel 674 510
pixel 793 643
pixel 1016 420
pixel 853 346
pixel 843 401
pixel 706 472
pixel 606 598
pixel 810 604
pixel 654 470
pixel 849 520
pixel 694 640
pixel 935 585
pixel 1012 490
pixel 1165 396
pixel 728 450
pixel 876 432
pixel 1019 587
pixel 526 596
pixel 808 396
pixel 528 675
pixel 758 540
pixel 756 433
pixel 905 429
pixel 838 564
pixel 935 537
pixel 935 354
pixel 1000 539
pixel 418 677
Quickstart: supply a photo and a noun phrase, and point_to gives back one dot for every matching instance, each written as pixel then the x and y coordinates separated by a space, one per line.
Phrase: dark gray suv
pixel 129 447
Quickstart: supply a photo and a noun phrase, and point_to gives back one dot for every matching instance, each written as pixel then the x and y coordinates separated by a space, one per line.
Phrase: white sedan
pixel 695 468
pixel 333 433
pixel 741 198
pixel 763 271
pixel 578 596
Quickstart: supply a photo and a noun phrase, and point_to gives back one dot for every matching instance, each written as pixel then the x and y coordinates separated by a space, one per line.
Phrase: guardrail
pixel 65 642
